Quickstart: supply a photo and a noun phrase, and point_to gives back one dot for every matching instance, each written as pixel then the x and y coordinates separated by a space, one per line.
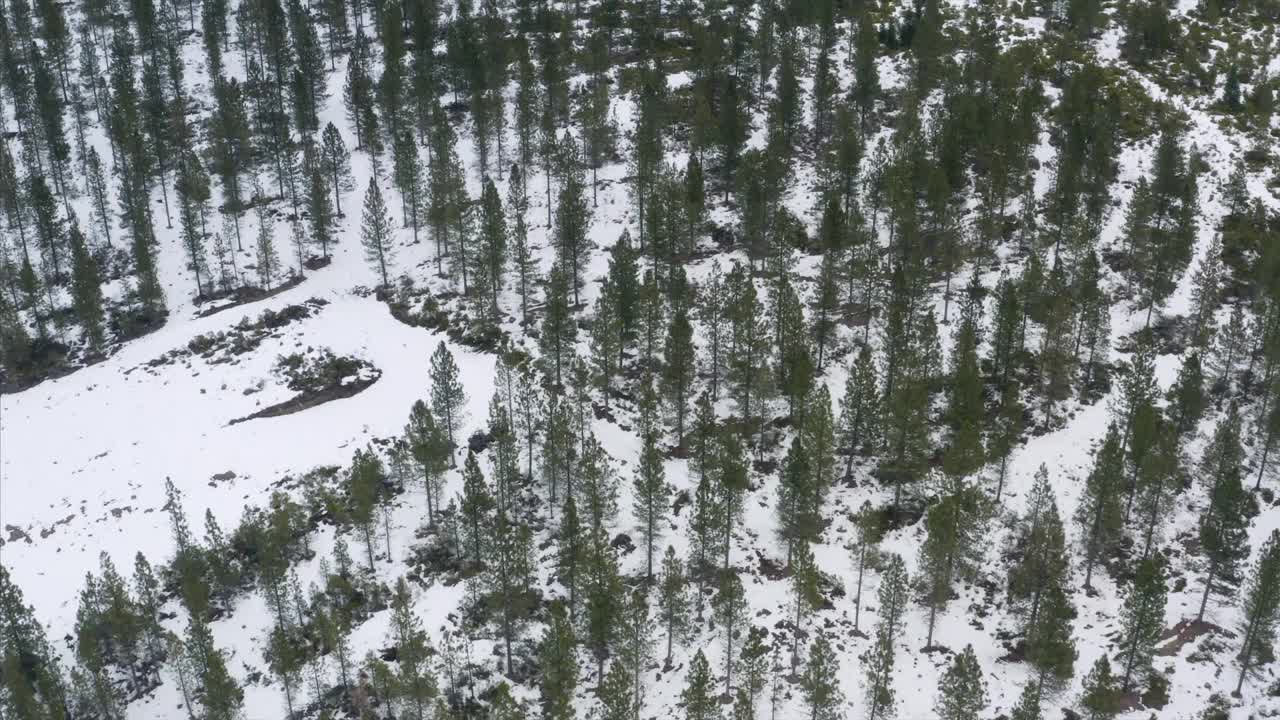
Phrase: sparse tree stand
pixel 377 233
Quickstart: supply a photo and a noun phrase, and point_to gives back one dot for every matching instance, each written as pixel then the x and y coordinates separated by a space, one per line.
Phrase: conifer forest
pixel 639 359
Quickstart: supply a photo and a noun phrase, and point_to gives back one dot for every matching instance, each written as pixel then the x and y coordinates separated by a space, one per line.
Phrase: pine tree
pixel 617 695
pixel 652 497
pixel 1206 294
pixel 1261 608
pixel 673 599
pixel 712 311
pixel 819 684
pixel 376 233
pixel 1028 707
pixel 1099 512
pixel 573 221
pixel 406 170
pixel 86 289
pixel 1224 532
pixel 476 505
pixel 748 351
pixel 953 546
pixel 1142 620
pixel 448 397
pixel 364 485
pixel 799 508
pixel 806 597
pixel 559 329
pixel 606 339
pixel 268 260
pixel 29 665
pixel 962 694
pixel 678 369
pixel 879 659
pixel 523 262
pixel 1187 400
pixel 429 446
pixel 730 607
pixel 337 164
pixel 508 579
pixel 1100 698
pixel 699 693
pixel 965 409
pixel 859 409
pixel 493 239
pixel 1037 582
pixel 1229 349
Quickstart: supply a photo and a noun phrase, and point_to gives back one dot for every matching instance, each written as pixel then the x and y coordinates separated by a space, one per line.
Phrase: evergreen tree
pixel 573 220
pixel 86 289
pixel 1028 707
pixel 952 550
pixel 493 239
pixel 1261 608
pixel 337 164
pixel 1142 620
pixel 1224 533
pixel 558 663
pixel 510 571
pixel 962 694
pixel 365 483
pixel 376 233
pixel 879 659
pixel 730 607
pixel 819 684
pixel 699 693
pixel 673 599
pixel 964 453
pixel 606 340
pixel 1187 398
pixel 32 676
pixel 1099 512
pixel 559 329
pixel 1100 699
pixel 429 446
pixel 859 409
pixel 523 262
pixel 806 597
pixel 476 505
pixel 268 260
pixel 678 369
pixel 448 397
pixel 652 497
pixel 1037 583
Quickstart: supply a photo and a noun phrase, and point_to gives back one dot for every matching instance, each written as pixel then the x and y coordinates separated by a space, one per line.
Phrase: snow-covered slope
pixel 84 457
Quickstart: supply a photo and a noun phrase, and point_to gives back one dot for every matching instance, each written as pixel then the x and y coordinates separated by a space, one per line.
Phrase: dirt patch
pixel 244 337
pixel 311 399
pixel 248 294
pixel 1175 638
